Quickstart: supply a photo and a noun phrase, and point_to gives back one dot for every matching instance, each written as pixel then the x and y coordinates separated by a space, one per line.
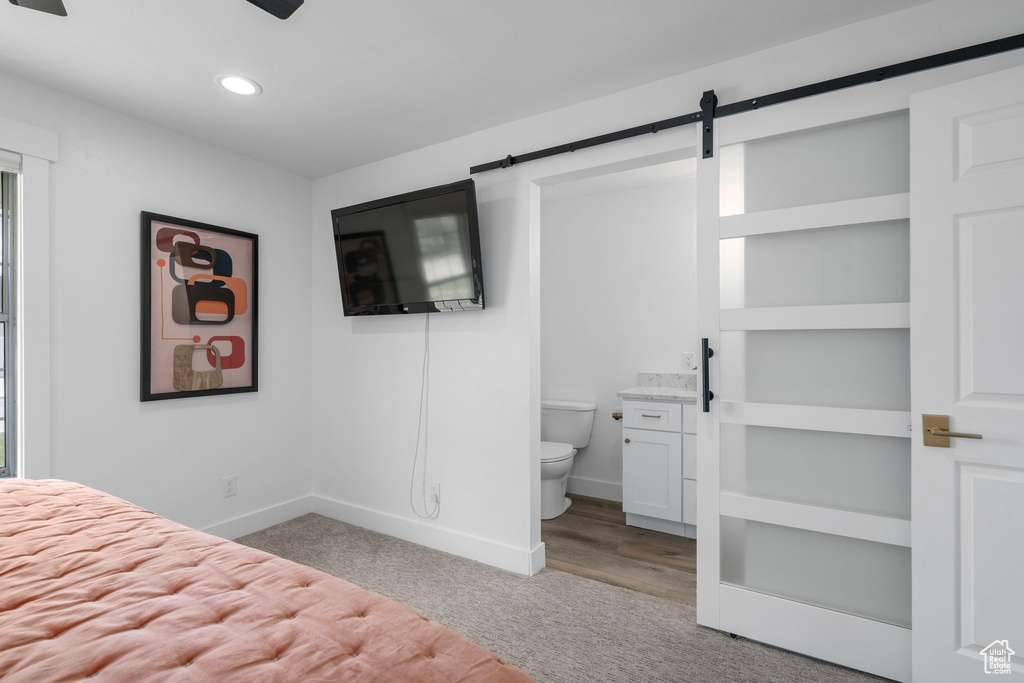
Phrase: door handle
pixel 936 431
pixel 705 353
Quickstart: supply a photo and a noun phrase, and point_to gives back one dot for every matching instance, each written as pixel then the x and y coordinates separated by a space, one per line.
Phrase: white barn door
pixel 804 459
pixel 967 217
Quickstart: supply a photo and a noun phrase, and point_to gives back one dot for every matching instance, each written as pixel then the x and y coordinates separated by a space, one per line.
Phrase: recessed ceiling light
pixel 240 85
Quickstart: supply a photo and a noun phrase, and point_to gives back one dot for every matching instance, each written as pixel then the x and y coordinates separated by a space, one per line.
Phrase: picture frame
pixel 199 309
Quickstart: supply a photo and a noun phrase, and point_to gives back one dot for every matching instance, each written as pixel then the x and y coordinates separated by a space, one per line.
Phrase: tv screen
pixel 412 253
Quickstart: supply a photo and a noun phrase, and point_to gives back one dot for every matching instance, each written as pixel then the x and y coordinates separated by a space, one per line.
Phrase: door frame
pixel 527 182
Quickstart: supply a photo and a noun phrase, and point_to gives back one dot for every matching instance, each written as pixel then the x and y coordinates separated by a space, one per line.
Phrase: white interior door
pixel 967 288
pixel 803 502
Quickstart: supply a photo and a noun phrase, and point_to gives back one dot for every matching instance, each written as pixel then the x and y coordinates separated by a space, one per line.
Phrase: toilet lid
pixel 551 451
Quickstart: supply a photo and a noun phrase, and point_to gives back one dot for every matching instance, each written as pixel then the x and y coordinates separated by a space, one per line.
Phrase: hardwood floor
pixel 591 539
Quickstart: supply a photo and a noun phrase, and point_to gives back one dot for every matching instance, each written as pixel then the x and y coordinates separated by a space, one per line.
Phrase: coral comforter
pixel 93 587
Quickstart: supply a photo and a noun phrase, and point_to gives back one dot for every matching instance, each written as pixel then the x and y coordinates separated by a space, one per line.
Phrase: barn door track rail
pixel 710 110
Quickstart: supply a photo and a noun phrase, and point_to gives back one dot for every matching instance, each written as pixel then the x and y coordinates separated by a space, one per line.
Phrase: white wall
pixel 618 297
pixel 167 456
pixel 486 375
pixel 367 385
pixel 352 405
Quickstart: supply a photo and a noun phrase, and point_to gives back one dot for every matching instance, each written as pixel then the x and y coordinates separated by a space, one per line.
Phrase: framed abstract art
pixel 199 309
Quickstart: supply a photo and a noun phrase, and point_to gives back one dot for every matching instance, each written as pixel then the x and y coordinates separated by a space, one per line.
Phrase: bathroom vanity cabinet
pixel 659 465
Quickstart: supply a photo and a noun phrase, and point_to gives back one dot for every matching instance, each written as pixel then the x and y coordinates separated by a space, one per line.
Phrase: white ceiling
pixel 350 82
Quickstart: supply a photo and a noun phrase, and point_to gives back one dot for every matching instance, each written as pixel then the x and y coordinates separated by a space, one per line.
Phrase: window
pixel 444 268
pixel 8 215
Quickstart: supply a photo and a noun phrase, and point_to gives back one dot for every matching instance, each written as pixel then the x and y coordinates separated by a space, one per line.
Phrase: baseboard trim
pixel 261 519
pixel 499 555
pixel 538 558
pixel 595 488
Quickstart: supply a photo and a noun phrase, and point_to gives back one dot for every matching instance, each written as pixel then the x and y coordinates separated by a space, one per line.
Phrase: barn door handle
pixel 705 353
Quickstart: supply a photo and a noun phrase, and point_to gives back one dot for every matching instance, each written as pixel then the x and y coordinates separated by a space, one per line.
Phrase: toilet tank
pixel 567 421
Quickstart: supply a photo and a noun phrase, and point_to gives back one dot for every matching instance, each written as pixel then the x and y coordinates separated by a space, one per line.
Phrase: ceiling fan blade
pixel 282 9
pixel 48 6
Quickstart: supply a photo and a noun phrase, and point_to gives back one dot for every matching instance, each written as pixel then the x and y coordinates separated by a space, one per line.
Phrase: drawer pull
pixel 627 440
pixel 646 415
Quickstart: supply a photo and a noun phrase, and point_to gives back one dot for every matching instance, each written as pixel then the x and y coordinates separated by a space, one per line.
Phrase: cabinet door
pixel 652 474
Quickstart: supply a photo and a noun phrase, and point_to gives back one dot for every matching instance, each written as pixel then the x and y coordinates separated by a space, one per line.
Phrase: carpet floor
pixel 557 627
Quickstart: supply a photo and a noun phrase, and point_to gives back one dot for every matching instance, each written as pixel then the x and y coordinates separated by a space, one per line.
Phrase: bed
pixel 93 587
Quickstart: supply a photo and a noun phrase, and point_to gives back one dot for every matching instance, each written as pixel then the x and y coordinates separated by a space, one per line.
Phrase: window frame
pixel 10 189
pixel 34 152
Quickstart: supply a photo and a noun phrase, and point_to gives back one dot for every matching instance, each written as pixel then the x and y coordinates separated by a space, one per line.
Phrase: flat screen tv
pixel 417 252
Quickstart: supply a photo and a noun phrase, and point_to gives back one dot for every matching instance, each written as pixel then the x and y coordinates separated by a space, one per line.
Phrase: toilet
pixel 564 427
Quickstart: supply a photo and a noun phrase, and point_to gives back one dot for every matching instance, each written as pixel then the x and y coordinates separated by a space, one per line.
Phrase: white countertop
pixel 658 394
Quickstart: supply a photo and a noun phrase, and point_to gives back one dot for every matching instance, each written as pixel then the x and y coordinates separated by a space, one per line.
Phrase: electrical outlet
pixel 434 492
pixel 229 486
pixel 689 360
